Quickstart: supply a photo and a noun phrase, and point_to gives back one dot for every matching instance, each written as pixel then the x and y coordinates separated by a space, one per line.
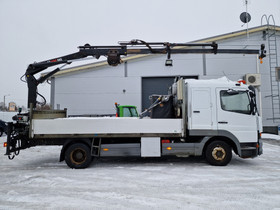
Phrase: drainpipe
pixel 258 88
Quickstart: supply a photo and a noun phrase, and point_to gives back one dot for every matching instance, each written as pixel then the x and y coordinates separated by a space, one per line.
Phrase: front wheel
pixel 78 156
pixel 218 153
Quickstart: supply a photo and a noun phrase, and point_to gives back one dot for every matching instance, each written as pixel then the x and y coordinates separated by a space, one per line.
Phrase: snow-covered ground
pixel 36 180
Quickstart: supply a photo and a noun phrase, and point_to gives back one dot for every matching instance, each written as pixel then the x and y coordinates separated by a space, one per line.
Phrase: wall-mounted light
pixel 168 62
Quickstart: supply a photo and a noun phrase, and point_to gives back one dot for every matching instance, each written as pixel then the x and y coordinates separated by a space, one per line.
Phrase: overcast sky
pixel 33 30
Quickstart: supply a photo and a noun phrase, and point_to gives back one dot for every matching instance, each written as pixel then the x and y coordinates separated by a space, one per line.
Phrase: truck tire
pixel 218 153
pixel 78 156
pixel 1 132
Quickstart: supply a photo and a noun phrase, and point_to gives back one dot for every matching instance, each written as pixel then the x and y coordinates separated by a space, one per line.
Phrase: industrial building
pixel 94 88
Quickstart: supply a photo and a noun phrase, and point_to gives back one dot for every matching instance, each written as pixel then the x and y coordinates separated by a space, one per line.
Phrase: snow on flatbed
pixel 36 180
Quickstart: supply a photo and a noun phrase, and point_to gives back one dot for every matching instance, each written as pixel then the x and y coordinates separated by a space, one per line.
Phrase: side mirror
pixel 252 107
pixel 252 91
pixel 252 94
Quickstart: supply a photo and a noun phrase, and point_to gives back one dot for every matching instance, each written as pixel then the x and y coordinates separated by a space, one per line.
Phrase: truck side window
pixel 235 102
pixel 126 112
pixel 133 112
pixel 130 112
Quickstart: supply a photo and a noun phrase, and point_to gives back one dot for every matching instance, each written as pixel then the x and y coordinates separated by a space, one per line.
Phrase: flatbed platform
pixel 106 127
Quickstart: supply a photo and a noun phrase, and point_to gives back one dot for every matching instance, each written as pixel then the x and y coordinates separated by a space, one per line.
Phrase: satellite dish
pixel 245 17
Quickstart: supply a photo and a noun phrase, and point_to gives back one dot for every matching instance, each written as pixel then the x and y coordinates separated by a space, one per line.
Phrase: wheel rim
pixel 78 156
pixel 219 153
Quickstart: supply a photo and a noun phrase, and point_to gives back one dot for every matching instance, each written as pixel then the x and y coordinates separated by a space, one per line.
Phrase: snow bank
pixel 270 136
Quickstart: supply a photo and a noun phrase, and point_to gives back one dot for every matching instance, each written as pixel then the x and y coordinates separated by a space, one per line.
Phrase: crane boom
pixel 114 54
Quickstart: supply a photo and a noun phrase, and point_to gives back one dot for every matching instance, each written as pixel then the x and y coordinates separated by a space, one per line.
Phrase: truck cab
pixel 222 109
pixel 126 110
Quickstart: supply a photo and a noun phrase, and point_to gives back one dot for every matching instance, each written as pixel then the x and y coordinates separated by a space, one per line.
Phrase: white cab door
pixel 233 115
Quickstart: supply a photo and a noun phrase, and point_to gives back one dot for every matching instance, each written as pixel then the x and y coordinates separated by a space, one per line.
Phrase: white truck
pixel 208 118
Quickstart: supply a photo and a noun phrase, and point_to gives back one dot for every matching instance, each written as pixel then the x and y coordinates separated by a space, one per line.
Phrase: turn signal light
pixel 106 149
pixel 168 148
pixel 5 144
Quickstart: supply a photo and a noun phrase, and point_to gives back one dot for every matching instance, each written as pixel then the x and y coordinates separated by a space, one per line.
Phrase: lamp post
pixel 5 101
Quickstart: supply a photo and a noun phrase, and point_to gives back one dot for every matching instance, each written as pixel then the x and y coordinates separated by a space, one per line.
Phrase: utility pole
pixel 5 101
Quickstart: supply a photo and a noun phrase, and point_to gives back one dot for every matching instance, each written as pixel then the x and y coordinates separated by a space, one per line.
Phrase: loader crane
pixel 29 128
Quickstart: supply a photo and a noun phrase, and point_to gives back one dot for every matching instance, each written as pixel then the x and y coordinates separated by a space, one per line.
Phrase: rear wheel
pixel 78 156
pixel 218 153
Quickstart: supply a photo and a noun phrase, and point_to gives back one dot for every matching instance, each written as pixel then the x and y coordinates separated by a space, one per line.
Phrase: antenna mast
pixel 247 16
pixel 246 3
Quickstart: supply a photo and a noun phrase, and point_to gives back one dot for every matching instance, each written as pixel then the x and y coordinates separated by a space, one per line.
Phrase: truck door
pixel 201 109
pixel 234 114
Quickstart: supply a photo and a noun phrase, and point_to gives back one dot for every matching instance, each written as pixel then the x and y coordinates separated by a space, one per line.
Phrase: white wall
pixel 96 91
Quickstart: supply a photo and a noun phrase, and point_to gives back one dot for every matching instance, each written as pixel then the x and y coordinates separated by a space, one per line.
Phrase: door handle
pixel 223 122
pixel 196 111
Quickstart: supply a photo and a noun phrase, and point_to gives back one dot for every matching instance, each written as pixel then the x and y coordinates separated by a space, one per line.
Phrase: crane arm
pixel 114 53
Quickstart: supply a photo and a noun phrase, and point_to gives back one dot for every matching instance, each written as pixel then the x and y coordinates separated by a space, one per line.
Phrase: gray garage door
pixel 156 85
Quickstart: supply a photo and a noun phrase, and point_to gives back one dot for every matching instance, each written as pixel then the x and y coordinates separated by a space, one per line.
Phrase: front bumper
pixel 251 150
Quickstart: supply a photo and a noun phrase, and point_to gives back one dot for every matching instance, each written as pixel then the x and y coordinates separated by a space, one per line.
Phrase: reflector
pixel 164 141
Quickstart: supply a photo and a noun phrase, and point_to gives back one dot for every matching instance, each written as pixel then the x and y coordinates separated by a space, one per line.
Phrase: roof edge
pixel 205 40
pixel 238 33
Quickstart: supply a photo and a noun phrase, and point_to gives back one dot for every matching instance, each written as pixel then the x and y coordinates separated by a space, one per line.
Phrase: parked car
pixel 3 127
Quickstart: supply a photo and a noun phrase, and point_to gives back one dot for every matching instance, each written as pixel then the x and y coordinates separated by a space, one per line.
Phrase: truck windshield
pixel 238 102
pixel 130 112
